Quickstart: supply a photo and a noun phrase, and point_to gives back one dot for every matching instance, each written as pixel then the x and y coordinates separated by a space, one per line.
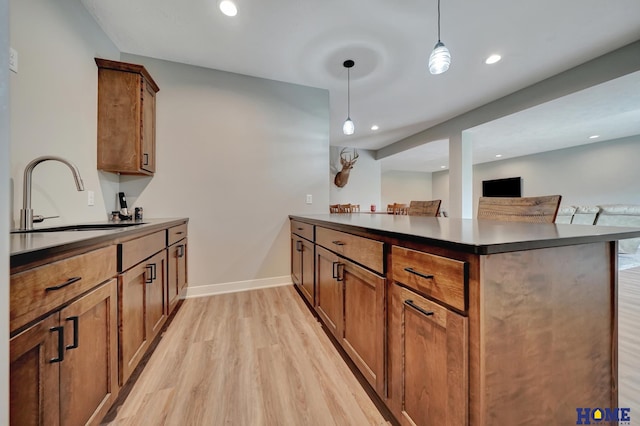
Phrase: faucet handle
pixel 37 218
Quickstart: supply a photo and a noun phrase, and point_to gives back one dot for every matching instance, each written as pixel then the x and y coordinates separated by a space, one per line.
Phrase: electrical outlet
pixel 13 60
pixel 91 198
pixel 309 198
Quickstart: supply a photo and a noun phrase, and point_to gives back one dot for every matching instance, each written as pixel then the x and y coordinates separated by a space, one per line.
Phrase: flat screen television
pixel 509 187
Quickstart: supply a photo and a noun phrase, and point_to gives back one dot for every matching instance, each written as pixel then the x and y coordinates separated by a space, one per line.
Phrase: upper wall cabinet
pixel 126 118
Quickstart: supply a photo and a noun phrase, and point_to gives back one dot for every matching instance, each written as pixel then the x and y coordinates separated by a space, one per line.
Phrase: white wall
pixel 599 173
pixel 363 186
pixel 235 154
pixel 54 107
pixel 5 154
pixel 402 187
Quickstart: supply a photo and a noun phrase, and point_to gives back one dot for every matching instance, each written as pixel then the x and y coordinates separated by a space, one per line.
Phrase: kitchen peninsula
pixel 459 321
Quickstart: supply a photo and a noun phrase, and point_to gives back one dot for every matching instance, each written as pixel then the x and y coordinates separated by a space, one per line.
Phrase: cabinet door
pixel 156 310
pixel 428 375
pixel 133 335
pixel 329 290
pixel 88 374
pixel 296 260
pixel 148 129
pixel 34 372
pixel 363 322
pixel 176 272
pixel 308 271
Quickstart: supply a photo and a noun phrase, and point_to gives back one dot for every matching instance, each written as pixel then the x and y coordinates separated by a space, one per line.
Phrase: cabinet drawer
pixel 135 251
pixel 305 230
pixel 40 290
pixel 176 233
pixel 439 277
pixel 362 250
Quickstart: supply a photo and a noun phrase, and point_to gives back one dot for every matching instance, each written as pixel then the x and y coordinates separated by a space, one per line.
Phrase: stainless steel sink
pixel 82 227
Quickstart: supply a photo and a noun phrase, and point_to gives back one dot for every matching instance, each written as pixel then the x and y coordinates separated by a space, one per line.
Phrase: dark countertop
pixel 471 235
pixel 27 247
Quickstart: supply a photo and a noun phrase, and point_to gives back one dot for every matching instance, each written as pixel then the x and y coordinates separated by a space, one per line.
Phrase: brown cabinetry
pixel 142 299
pixel 126 118
pixel 302 259
pixel 349 300
pixel 64 368
pixel 428 380
pixel 176 265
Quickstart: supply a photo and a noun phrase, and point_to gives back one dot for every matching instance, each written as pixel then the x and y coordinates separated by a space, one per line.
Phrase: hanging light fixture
pixel 348 127
pixel 440 58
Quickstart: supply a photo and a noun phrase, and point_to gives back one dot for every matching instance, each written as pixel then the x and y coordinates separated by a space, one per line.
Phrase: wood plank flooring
pixel 250 358
pixel 629 339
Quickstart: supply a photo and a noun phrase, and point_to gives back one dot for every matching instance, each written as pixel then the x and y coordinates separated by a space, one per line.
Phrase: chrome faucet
pixel 26 213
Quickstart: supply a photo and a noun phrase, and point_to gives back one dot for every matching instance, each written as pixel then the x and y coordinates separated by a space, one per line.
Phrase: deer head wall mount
pixel 347 161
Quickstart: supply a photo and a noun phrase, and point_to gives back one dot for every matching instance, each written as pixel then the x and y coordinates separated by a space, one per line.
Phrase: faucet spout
pixel 26 213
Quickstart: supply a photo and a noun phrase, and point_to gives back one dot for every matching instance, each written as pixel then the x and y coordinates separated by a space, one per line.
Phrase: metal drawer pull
pixel 420 274
pixel 146 159
pixel 60 331
pixel 300 229
pixel 63 285
pixel 338 243
pixel 409 302
pixel 75 332
pixel 179 233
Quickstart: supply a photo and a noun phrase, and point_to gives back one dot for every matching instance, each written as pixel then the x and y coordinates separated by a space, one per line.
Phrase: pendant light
pixel 348 128
pixel 440 58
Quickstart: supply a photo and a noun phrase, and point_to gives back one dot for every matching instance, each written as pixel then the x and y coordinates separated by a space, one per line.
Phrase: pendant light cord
pixel 349 93
pixel 438 21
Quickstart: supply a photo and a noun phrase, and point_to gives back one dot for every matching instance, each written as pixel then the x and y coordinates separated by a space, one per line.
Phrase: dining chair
pixel 344 208
pixel 424 208
pixel 400 208
pixel 334 208
pixel 541 209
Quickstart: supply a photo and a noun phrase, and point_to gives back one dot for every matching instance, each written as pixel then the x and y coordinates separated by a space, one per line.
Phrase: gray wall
pixel 402 187
pixel 236 154
pixel 53 107
pixel 4 213
pixel 363 186
pixel 598 173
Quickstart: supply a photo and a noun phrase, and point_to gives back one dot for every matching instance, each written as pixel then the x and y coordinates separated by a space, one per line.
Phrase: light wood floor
pixel 250 358
pixel 629 339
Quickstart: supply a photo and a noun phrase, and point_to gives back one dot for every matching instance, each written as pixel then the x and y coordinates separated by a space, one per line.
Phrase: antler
pixel 351 160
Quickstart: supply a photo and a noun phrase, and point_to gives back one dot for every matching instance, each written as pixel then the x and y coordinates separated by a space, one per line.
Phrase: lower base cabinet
pixel 64 368
pixel 428 381
pixel 142 311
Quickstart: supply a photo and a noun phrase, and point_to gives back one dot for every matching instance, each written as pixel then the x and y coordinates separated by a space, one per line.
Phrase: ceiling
pixel 306 41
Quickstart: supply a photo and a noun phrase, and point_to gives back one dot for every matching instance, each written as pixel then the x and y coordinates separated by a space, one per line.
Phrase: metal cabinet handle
pixel 420 274
pixel 60 331
pixel 409 302
pixel 146 159
pixel 335 270
pixel 148 279
pixel 63 285
pixel 75 332
pixel 338 243
pixel 181 250
pixel 340 276
pixel 298 245
pixel 300 229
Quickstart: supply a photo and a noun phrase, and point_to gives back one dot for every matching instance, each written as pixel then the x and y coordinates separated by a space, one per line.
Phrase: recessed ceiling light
pixel 594 136
pixel 492 59
pixel 228 8
pixel 498 155
pixel 443 167
pixel 375 127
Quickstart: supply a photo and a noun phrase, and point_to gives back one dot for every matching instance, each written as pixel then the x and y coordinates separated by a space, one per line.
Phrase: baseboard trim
pixel 237 286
